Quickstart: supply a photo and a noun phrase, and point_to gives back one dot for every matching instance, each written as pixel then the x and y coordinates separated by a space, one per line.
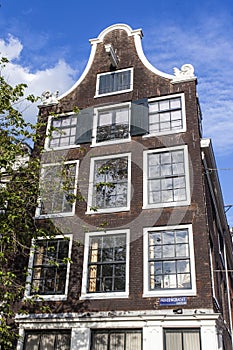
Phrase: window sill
pixel 57 215
pixel 169 293
pixel 105 211
pixel 170 132
pixel 113 93
pixel 111 142
pixel 52 297
pixel 60 148
pixel 109 295
pixel 166 205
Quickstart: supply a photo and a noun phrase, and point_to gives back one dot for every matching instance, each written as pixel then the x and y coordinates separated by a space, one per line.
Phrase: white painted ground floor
pixel 160 330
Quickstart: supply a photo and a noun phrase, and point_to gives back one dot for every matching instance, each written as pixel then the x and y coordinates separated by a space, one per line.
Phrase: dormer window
pixel 114 82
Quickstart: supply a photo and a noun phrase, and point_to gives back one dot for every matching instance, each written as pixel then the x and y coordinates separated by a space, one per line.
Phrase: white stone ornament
pixel 186 72
pixel 48 98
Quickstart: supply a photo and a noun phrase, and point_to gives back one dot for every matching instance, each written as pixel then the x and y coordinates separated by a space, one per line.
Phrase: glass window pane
pixel 184 280
pixel 165 126
pixel 153 107
pixel 99 341
pixel 168 237
pixel 191 340
pixel 32 342
pixel 165 158
pixel 169 267
pixel 168 251
pixel 177 156
pixel 133 341
pixel 122 116
pixel 182 250
pixel 47 342
pixel 163 105
pixel 117 341
pixel 166 169
pixel 154 118
pixel 105 118
pixel 63 342
pixel 176 116
pixel 165 117
pixel 173 341
pixel 182 236
pixel 170 281
pixel 180 195
pixel 175 103
pixel 154 159
pixel 154 197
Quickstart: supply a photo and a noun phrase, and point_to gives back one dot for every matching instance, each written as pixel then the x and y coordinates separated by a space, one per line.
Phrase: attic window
pixel 114 82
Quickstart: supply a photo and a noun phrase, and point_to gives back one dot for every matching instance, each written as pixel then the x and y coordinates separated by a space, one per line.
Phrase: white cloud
pixel 60 77
pixel 10 48
pixel 211 53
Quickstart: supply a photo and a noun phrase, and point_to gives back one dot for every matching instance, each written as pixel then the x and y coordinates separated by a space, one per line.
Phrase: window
pixel 169 261
pixel 49 267
pixel 112 124
pixel 47 340
pixel 166 178
pixel 61 131
pixel 58 186
pixel 182 339
pixel 114 82
pixel 130 339
pixel 167 115
pixel 105 271
pixel 109 188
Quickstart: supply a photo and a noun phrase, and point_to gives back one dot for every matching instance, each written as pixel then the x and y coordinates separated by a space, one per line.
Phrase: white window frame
pixel 95 124
pixel 54 297
pixel 48 138
pixel 105 295
pixel 91 185
pixel 40 200
pixel 168 292
pixel 114 92
pixel 183 112
pixel 147 205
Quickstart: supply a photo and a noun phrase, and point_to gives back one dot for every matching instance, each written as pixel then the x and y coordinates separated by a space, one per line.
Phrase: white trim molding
pixel 50 297
pixel 106 108
pixel 185 73
pixel 38 214
pixel 151 322
pixel 91 208
pixel 182 109
pixel 186 175
pixel 168 292
pixel 104 295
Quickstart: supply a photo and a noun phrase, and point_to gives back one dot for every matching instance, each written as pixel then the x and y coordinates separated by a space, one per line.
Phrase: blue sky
pixel 48 44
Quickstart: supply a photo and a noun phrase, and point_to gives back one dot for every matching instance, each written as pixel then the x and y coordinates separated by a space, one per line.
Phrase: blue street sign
pixel 173 301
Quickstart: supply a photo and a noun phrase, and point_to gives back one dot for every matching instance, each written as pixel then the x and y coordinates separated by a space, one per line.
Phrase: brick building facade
pixel 129 183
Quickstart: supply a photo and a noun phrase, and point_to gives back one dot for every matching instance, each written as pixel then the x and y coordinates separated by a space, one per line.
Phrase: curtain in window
pixel 100 341
pixel 118 340
pixel 191 341
pixel 63 342
pixel 32 342
pixel 182 340
pixel 173 341
pixel 133 341
pixel 47 342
